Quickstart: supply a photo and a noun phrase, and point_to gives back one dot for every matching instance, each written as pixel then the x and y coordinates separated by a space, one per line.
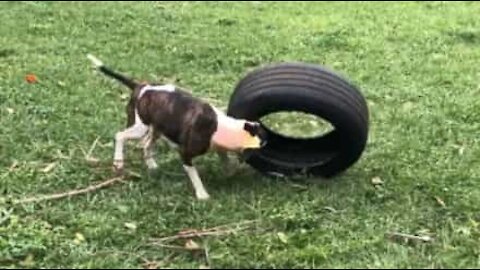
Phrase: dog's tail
pixel 130 83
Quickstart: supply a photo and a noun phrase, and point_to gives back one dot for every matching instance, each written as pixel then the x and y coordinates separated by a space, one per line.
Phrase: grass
pixel 415 62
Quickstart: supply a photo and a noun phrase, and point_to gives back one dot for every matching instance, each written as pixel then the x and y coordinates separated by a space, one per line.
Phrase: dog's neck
pixel 230 134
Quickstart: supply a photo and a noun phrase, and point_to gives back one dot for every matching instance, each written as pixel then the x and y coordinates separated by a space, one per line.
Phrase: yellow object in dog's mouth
pixel 235 139
pixel 252 142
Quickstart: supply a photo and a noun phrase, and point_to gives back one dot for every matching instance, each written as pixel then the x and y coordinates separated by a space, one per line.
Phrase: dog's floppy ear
pixel 255 140
pixel 256 131
pixel 252 128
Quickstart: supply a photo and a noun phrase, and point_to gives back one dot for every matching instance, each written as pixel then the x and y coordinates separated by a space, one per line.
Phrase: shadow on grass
pixel 243 177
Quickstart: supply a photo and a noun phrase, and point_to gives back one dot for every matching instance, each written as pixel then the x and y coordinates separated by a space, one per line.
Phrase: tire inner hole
pixel 298 125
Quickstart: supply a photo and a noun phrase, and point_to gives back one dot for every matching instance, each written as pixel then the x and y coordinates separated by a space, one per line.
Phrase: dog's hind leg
pixel 137 131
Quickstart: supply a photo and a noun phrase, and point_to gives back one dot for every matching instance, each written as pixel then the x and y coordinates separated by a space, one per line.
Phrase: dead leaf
pixel 204 267
pixel 440 202
pixel 79 238
pixel 10 110
pixel 283 237
pixel 131 226
pixel 49 167
pixel 192 245
pixel 31 78
pixel 377 181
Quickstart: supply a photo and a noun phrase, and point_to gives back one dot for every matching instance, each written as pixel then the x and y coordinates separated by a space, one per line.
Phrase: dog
pixel 190 125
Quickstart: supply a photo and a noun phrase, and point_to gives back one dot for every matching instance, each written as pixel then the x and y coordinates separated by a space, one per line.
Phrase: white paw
pixel 203 196
pixel 118 165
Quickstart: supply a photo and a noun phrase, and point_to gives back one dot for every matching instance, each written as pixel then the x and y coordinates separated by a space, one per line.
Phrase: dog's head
pixel 257 136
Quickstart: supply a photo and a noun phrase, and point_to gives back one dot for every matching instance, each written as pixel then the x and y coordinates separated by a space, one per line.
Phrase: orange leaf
pixel 31 78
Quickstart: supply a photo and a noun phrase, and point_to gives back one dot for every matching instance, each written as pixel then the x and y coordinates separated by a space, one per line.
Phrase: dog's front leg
pixel 137 131
pixel 200 191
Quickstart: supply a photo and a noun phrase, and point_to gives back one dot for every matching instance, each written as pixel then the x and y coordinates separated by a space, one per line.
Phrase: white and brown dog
pixel 189 124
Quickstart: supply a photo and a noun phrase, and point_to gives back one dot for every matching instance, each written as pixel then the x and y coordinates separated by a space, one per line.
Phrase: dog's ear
pixel 252 128
pixel 257 131
pixel 257 137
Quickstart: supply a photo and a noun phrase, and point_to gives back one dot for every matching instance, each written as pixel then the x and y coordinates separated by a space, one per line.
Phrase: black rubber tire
pixel 310 89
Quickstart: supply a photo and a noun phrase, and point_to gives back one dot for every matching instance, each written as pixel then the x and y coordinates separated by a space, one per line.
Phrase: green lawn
pixel 417 63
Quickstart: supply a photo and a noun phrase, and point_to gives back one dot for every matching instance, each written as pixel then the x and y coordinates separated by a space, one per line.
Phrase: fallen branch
pixel 70 193
pixel 230 225
pixel 215 231
pixel 407 237
pixel 169 246
pixel 194 234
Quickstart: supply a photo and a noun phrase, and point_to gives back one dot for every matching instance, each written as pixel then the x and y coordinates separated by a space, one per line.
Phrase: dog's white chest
pixel 159 88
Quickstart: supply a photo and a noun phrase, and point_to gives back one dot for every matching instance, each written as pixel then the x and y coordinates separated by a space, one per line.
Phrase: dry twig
pixel 215 231
pixel 409 237
pixel 69 193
